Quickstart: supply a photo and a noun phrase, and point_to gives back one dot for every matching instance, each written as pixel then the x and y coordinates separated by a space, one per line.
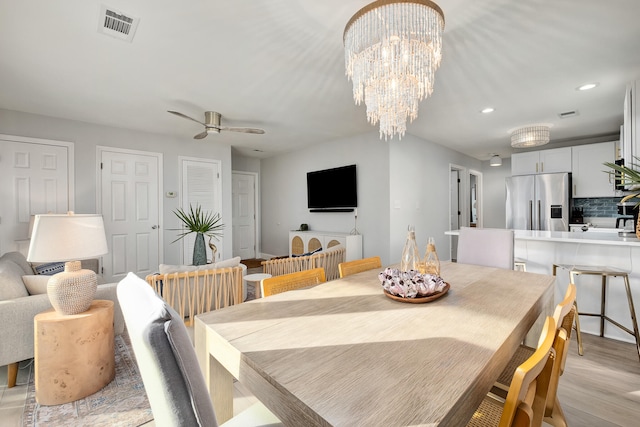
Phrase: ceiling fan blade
pixel 243 130
pixel 201 135
pixel 177 113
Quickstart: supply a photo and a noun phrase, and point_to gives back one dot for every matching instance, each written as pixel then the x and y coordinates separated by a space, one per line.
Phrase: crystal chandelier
pixel 392 51
pixel 530 136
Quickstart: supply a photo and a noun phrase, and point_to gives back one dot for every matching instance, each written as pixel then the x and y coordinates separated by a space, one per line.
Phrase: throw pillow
pixel 231 262
pixel 11 285
pixel 49 269
pixel 36 284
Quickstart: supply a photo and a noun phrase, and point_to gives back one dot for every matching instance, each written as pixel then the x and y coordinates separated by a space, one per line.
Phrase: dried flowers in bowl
pixel 411 284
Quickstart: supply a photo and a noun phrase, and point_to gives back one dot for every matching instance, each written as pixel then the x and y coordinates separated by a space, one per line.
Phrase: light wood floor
pixel 599 389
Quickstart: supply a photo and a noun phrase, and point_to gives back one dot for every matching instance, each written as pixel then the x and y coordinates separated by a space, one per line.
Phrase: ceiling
pixel 279 65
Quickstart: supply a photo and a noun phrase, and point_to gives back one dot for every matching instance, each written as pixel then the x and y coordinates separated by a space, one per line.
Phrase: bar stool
pixel 604 272
pixel 520 264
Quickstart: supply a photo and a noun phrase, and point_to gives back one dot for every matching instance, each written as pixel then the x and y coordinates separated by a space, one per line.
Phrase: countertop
pixel 592 237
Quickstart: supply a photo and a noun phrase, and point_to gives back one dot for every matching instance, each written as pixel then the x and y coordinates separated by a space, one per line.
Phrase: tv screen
pixel 332 188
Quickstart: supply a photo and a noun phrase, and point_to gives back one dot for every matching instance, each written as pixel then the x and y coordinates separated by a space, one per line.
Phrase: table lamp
pixel 69 237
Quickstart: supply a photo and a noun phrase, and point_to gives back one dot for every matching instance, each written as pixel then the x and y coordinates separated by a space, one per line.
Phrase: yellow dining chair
pixel 352 267
pixel 563 315
pixel 288 282
pixel 525 402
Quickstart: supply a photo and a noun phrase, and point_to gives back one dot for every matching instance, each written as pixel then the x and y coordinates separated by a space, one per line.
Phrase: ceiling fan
pixel 212 124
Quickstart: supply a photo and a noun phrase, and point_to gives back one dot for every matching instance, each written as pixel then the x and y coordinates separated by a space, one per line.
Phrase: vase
pixel 410 258
pixel 199 250
pixel 72 291
pixel 431 262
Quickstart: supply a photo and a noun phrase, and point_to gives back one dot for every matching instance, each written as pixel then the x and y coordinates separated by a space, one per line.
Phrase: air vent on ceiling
pixel 568 114
pixel 117 24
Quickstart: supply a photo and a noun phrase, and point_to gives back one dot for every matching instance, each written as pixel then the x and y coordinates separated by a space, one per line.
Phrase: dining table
pixel 342 353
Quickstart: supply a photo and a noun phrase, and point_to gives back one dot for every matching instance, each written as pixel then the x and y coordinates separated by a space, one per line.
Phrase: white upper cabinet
pixel 543 161
pixel 589 177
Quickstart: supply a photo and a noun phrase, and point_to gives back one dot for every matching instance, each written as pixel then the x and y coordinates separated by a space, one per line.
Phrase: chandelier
pixel 530 136
pixel 392 51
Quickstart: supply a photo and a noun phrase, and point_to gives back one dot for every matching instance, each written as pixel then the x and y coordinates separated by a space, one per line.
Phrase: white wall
pixel 494 197
pixel 87 136
pixel 284 193
pixel 419 193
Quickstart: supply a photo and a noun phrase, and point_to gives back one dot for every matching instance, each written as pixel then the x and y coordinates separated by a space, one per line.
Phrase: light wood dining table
pixel 343 354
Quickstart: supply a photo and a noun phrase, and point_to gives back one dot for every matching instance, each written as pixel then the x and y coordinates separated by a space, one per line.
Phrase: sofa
pixel 23 295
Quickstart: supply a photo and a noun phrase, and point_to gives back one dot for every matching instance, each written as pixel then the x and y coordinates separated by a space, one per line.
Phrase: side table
pixel 74 354
pixel 255 279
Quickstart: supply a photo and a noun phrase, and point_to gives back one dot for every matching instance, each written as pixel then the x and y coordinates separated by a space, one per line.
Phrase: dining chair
pixel 168 364
pixel 563 315
pixel 356 266
pixel 490 247
pixel 528 390
pixel 288 282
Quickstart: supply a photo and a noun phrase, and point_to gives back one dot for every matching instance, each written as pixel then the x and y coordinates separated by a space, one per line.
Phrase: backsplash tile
pixel 603 207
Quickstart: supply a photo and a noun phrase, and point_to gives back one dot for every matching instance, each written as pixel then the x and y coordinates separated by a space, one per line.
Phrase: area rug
pixel 253 262
pixel 122 403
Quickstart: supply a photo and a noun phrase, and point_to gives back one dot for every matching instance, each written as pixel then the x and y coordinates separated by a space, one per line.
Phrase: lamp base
pixel 72 291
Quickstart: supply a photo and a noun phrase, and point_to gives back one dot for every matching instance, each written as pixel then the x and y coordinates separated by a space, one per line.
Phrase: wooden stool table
pixel 74 355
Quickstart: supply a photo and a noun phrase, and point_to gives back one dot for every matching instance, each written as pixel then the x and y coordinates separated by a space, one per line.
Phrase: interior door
pixel 201 186
pixel 244 215
pixel 36 177
pixel 131 211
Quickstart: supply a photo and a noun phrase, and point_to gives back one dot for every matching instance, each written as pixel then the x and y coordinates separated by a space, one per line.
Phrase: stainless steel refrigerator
pixel 539 202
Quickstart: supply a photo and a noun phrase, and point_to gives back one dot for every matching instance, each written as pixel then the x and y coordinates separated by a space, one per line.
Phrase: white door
pixel 244 215
pixel 130 205
pixel 36 177
pixel 201 186
pixel 454 209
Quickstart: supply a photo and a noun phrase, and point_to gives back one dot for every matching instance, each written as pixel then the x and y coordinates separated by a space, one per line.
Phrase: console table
pixel 74 354
pixel 301 242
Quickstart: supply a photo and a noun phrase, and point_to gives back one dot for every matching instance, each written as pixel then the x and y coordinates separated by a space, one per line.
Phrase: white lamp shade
pixel 495 161
pixel 67 237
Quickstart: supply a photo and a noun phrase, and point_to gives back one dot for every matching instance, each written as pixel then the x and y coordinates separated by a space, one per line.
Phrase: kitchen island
pixel 541 249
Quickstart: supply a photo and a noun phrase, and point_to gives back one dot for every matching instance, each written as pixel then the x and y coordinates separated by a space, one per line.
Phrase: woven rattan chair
pixel 329 260
pixel 490 247
pixel 194 292
pixel 563 315
pixel 352 267
pixel 525 402
pixel 288 282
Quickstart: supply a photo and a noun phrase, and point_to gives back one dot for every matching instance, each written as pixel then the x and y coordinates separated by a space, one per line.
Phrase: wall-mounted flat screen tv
pixel 332 189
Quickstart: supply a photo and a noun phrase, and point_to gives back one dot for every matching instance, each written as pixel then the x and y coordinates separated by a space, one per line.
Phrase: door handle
pixel 154 227
pixel 539 219
pixel 530 214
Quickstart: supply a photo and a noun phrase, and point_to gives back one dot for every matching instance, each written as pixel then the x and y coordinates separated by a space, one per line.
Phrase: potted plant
pixel 629 177
pixel 202 223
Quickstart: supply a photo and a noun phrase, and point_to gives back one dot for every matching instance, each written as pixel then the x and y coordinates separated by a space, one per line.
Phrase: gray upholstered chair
pixel 490 247
pixel 168 365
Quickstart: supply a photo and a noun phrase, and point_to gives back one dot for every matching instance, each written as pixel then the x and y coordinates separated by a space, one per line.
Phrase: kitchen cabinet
pixel 589 178
pixel 543 161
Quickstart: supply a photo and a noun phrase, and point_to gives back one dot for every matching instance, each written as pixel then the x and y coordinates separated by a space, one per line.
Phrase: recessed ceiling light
pixel 587 86
pixel 488 110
